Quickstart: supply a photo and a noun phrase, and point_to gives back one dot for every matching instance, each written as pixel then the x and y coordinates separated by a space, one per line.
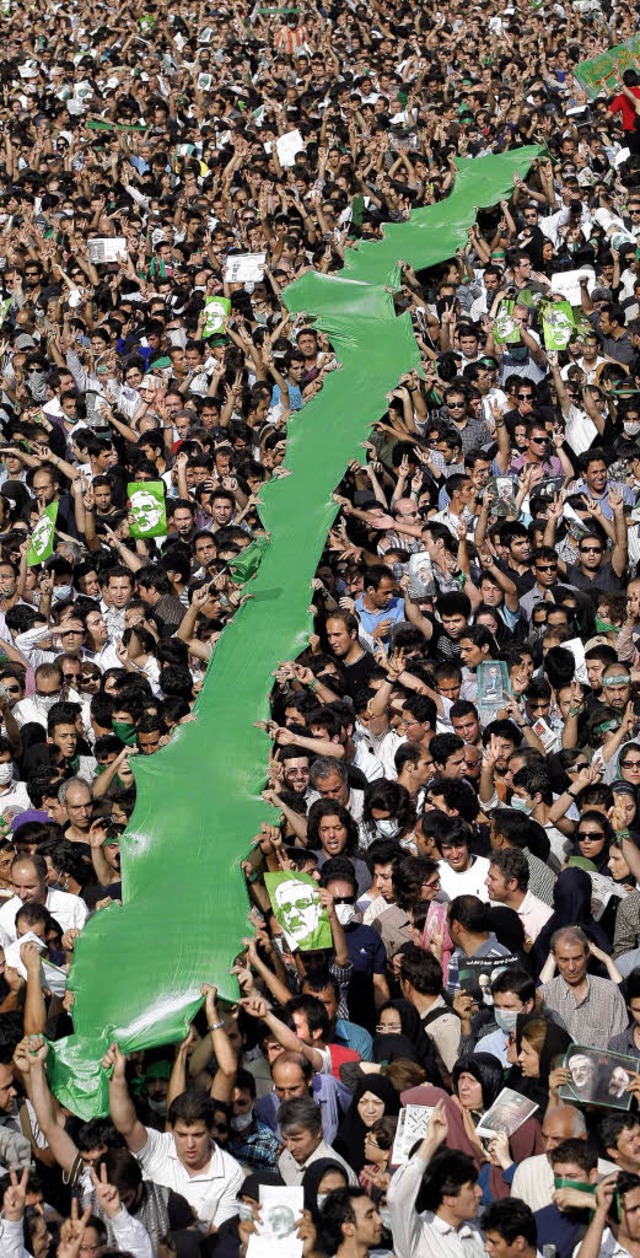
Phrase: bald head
pixel 563 1122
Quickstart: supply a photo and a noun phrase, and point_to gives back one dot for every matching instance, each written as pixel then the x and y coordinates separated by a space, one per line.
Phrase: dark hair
pixel 422 970
pixel 330 808
pixel 336 1211
pixel 513 979
pixel 511 1218
pixel 314 1010
pixel 443 746
pixel 447 1172
pixel 575 1150
pixel 470 912
pixel 512 863
pixel 191 1108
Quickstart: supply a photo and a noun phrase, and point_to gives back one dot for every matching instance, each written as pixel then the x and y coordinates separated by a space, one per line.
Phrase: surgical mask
pixel 345 913
pixel 632 429
pixel 520 804
pixel 388 829
pixel 6 774
pixel 46 702
pixel 240 1122
pixel 506 1019
pixel 125 731
pixel 62 592
pixel 321 1197
pixel 385 1215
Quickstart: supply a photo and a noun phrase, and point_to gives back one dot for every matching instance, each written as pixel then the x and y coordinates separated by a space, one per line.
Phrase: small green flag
pixel 5 306
pixel 216 308
pixel 41 540
pixel 148 508
pixel 558 324
pixel 505 330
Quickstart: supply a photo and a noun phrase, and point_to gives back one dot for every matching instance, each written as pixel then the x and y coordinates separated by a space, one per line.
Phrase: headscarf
pixel 572 907
pixel 349 1142
pixel 412 1045
pixel 488 1072
pixel 312 1179
pixel 556 1042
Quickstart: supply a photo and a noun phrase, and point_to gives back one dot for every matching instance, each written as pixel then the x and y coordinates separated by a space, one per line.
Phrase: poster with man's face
pixel 147 509
pixel 295 900
pixel 598 1078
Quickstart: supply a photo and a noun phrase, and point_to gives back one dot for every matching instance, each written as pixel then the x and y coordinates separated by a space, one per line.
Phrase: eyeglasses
pixel 456 406
pixel 630 764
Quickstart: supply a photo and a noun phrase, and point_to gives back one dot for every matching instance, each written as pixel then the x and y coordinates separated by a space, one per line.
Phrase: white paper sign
pixel 280 1211
pixel 579 430
pixel 567 283
pixel 288 146
pixel 413 1123
pixel 107 249
pixel 241 268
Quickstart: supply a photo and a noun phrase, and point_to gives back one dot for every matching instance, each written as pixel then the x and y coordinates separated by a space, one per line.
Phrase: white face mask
pixel 632 428
pixel 321 1198
pixel 46 702
pixel 506 1019
pixel 6 773
pixel 157 1107
pixel 345 913
pixel 62 592
pixel 520 804
pixel 388 829
pixel 240 1122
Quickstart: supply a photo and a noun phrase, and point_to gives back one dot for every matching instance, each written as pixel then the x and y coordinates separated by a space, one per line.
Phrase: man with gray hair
pixel 591 1008
pixel 300 1122
pixel 329 779
pixel 75 794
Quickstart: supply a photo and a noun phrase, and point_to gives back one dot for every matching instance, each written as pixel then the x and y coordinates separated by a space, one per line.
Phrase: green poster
pixel 216 309
pixel 5 306
pixel 148 508
pixel 41 540
pixel 558 324
pixel 295 900
pixel 602 75
pixel 505 331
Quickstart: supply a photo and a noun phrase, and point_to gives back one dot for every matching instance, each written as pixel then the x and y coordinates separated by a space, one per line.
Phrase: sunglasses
pixel 591 836
pixel 630 764
pixel 546 567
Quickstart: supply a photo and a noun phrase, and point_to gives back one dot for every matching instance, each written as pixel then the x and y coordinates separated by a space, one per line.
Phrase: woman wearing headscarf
pixel 373 1098
pixel 571 907
pixel 539 1048
pixel 321 1178
pixel 592 839
pixel 478 1080
pixel 400 1033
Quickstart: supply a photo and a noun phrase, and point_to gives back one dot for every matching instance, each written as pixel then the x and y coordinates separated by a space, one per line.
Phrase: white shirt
pixel 212 1192
pixel 68 910
pixel 471 882
pixel 293 1172
pixel 425 1235
pixel 534 915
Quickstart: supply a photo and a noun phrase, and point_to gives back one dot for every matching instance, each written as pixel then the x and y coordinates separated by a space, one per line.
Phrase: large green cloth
pixel 138 968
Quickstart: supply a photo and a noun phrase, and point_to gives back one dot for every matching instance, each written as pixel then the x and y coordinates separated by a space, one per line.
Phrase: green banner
pixel 148 508
pixel 41 540
pixel 602 75
pixel 558 324
pixel 138 967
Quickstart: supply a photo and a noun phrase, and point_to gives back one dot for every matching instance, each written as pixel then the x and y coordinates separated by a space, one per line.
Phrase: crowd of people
pixel 436 1049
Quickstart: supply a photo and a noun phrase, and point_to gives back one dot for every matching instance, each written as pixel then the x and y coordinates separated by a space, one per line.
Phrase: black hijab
pixel 556 1043
pixel 312 1179
pixel 349 1142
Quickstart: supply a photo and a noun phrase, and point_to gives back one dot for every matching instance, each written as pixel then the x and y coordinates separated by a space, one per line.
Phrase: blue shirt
pixel 296 401
pixel 350 1035
pixel 394 611
pixel 367 952
pixel 331 1095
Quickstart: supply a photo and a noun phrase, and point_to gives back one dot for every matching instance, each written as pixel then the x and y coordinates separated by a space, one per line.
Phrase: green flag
pixel 216 308
pixel 41 540
pixel 147 506
pixel 558 324
pixel 505 330
pixel 603 74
